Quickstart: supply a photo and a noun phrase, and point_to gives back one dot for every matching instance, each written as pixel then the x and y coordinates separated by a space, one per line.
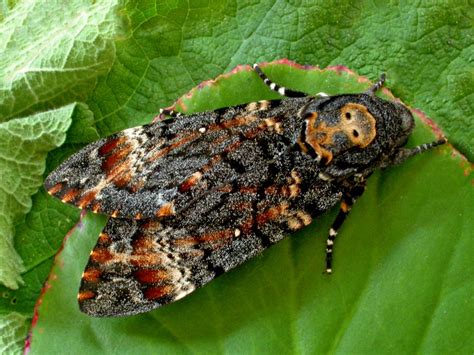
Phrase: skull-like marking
pixel 330 133
pixel 358 124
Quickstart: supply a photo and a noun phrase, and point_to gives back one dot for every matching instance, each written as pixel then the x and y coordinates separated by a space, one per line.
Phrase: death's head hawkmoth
pixel 193 196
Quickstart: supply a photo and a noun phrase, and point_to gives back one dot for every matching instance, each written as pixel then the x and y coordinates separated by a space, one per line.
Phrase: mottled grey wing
pixel 133 268
pixel 139 265
pixel 159 169
pixel 210 196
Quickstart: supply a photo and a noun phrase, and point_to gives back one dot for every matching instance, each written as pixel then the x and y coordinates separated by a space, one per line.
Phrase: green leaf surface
pixel 400 276
pixel 13 328
pixel 38 233
pixel 125 59
pixel 24 145
pixel 52 55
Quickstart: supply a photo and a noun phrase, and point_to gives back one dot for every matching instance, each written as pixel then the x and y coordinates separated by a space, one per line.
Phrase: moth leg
pixel 170 113
pixel 349 198
pixel 405 153
pixel 374 88
pixel 279 89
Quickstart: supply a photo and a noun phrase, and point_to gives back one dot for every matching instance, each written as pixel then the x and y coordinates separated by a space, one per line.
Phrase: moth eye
pixel 348 115
pixel 355 133
pixel 407 121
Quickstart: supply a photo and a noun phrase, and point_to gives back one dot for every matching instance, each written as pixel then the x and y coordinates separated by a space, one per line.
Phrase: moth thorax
pixel 330 133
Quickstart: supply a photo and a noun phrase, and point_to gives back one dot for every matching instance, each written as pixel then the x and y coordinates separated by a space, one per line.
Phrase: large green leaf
pixel 398 271
pixel 24 145
pixel 51 61
pixel 169 47
pixel 13 328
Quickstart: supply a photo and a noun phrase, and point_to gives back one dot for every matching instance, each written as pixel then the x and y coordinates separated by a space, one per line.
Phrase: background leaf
pixel 24 145
pixel 127 59
pixel 13 328
pixel 47 63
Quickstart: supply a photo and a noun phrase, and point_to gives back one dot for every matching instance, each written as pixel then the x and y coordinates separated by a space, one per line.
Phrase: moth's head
pixel 361 126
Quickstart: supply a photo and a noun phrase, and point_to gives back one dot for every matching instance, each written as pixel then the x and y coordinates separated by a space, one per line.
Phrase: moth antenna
pixel 405 153
pixel 374 88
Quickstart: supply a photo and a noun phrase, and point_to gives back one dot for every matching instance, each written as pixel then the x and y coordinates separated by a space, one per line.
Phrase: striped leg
pixel 347 201
pixel 374 88
pixel 279 89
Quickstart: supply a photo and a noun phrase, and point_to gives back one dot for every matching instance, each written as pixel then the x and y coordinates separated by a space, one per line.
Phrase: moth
pixel 192 196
